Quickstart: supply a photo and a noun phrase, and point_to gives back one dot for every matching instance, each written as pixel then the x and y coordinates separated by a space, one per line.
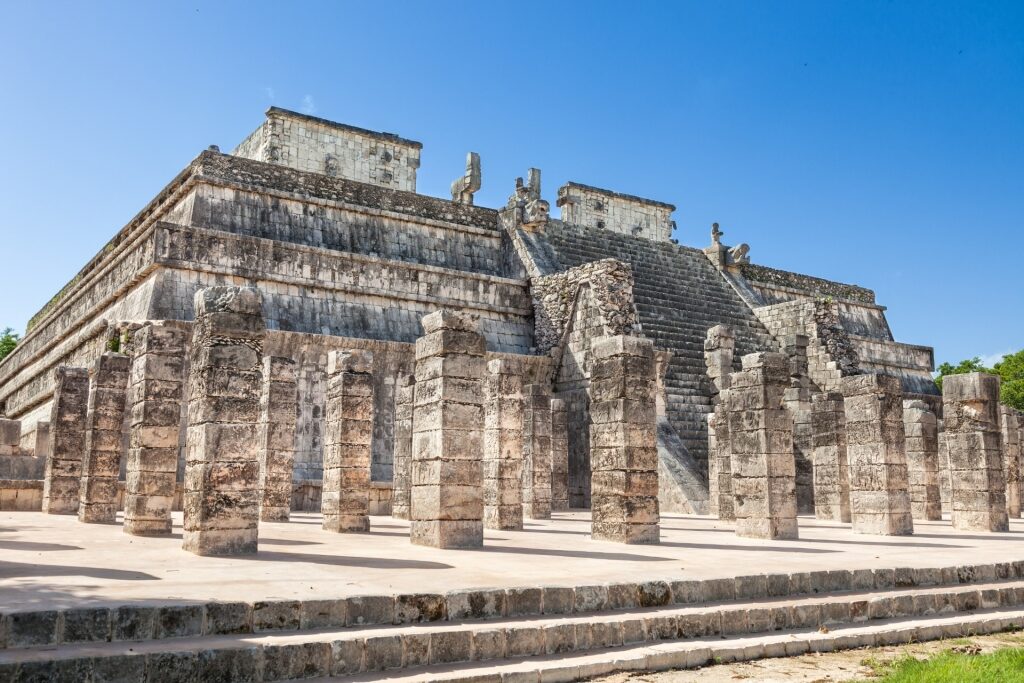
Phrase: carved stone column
pixel 831 472
pixel 503 446
pixel 922 460
pixel 559 455
pixel 719 346
pixel 536 452
pixel 405 395
pixel 798 402
pixel 108 387
pixel 63 473
pixel 348 441
pixel 278 417
pixel 1010 428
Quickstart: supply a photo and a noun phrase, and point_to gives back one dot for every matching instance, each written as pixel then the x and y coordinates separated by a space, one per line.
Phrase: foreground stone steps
pixel 273 656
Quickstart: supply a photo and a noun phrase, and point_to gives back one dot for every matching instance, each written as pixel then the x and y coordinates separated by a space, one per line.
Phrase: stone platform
pixel 54 562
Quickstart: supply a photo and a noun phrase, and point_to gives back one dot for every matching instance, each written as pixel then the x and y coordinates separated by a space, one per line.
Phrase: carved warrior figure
pixel 532 212
pixel 463 188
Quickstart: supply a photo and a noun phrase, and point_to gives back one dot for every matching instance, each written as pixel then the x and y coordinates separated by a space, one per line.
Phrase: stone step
pixel 279 655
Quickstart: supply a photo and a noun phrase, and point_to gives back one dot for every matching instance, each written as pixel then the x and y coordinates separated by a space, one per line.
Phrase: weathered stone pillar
pixel 970 408
pixel 108 387
pixel 503 446
pixel 945 485
pixel 63 473
pixel 447 467
pixel 879 499
pixel 623 440
pixel 536 452
pixel 278 417
pixel 831 473
pixel 1010 428
pixel 559 455
pixel 761 433
pixel 156 389
pixel 10 436
pixel 719 346
pixel 348 440
pixel 922 460
pixel 405 396
pixel 41 445
pixel 222 463
pixel 798 401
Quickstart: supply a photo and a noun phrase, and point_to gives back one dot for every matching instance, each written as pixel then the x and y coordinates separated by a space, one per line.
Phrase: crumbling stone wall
pixel 593 207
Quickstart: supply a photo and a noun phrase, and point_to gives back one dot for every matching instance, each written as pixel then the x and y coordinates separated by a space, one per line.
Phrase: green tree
pixel 1011 370
pixel 961 368
pixel 8 340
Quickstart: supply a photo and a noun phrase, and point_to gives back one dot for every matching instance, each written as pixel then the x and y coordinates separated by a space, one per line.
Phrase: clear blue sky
pixel 880 143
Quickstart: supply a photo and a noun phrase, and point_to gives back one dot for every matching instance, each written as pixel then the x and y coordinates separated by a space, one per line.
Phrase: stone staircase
pixel 550 633
pixel 679 294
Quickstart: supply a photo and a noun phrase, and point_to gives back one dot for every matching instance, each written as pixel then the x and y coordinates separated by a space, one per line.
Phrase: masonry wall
pixel 597 208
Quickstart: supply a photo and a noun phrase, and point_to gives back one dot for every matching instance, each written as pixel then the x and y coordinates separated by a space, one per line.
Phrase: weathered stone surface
pixel 797 400
pixel 67 441
pixel 222 466
pixel 10 436
pixel 447 502
pixel 623 441
pixel 347 442
pixel 278 417
pixel 108 386
pixel 970 406
pixel 559 455
pixel 761 445
pixel 719 349
pixel 831 471
pixel 405 395
pixel 536 452
pixel 879 499
pixel 503 446
pixel 922 444
pixel 156 389
pixel 1010 428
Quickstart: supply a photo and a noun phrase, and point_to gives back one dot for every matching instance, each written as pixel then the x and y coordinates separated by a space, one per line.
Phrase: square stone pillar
pixel 447 465
pixel 831 473
pixel 761 434
pixel 879 499
pixel 108 388
pixel 1010 427
pixel 503 446
pixel 922 433
pixel 222 459
pixel 559 455
pixel 945 485
pixel 63 474
pixel 798 401
pixel 623 440
pixel 405 396
pixel 10 436
pixel 278 417
pixel 41 440
pixel 536 452
pixel 156 389
pixel 970 407
pixel 719 349
pixel 348 442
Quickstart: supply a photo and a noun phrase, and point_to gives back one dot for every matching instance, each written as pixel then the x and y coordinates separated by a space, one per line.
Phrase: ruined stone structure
pixel 503 446
pixel 1009 426
pixel 559 456
pixel 718 357
pixel 405 395
pixel 536 452
pixel 922 460
pixel 831 465
pixel 101 466
pixel 278 411
pixel 345 503
pixel 67 446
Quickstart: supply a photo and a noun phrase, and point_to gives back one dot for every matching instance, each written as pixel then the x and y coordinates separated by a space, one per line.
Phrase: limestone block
pixel 559 455
pixel 222 466
pixel 63 474
pixel 1009 424
pixel 720 461
pixel 876 456
pixel 446 494
pixel 761 443
pixel 108 388
pixel 831 472
pixel 10 436
pixel 404 399
pixel 156 389
pixel 971 418
pixel 278 417
pixel 536 452
pixel 623 441
pixel 922 445
pixel 348 436
pixel 503 446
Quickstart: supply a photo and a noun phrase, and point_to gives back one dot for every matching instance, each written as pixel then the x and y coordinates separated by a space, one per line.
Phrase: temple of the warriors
pixel 289 343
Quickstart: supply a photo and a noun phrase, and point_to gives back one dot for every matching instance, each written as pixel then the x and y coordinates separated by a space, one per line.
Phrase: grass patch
pixel 1004 666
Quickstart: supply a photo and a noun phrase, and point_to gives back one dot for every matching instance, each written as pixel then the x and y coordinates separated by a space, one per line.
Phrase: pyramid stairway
pixel 679 294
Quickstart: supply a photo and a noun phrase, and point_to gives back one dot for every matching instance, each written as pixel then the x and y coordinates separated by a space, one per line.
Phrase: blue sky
pixel 880 143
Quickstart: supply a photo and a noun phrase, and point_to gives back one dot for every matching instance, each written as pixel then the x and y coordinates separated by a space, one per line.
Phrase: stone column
pixel 719 348
pixel 879 499
pixel 761 433
pixel 63 473
pixel 1010 428
pixel 348 442
pixel 222 463
pixel 559 455
pixel 405 396
pixel 536 452
pixel 970 407
pixel 41 447
pixel 798 401
pixel 623 440
pixel 922 460
pixel 10 436
pixel 447 467
pixel 945 486
pixel 156 389
pixel 831 473
pixel 108 387
pixel 278 417
pixel 503 446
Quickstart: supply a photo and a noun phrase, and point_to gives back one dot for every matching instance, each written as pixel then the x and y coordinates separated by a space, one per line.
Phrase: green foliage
pixel 1005 666
pixel 8 340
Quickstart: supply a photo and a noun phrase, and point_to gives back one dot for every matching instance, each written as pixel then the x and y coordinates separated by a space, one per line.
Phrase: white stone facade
pixel 622 213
